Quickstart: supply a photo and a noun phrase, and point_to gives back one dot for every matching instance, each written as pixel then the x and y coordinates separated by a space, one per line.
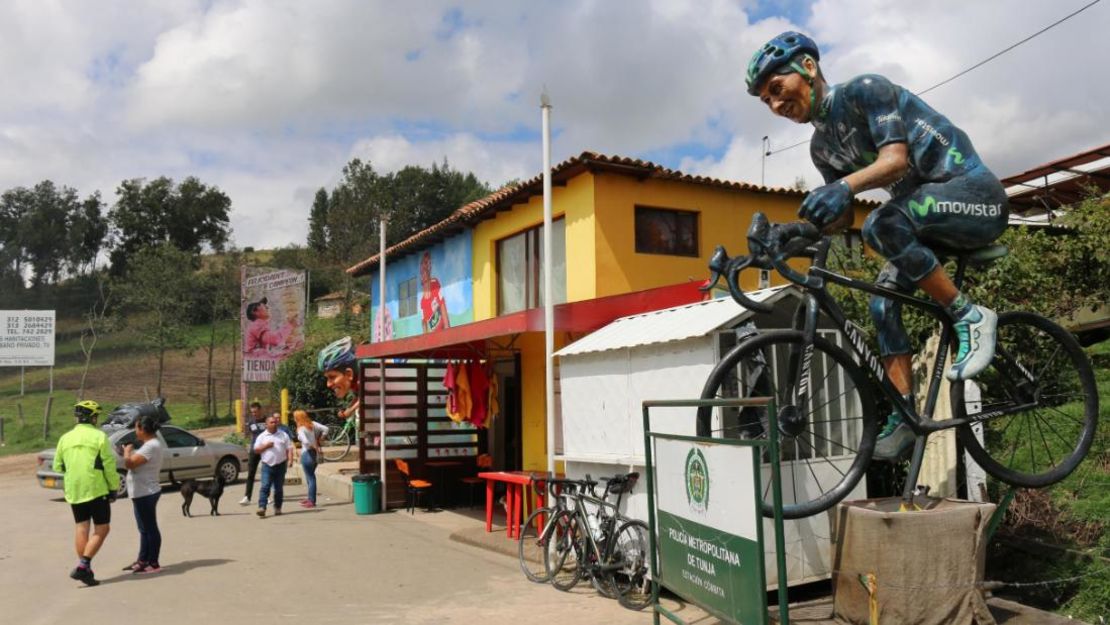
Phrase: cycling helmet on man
pixel 338 355
pixel 777 56
pixel 87 411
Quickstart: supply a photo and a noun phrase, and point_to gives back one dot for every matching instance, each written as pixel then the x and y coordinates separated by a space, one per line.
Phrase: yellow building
pixel 628 236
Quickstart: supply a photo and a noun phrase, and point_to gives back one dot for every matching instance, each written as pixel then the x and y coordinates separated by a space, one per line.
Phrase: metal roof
pixel 671 324
pixel 1059 183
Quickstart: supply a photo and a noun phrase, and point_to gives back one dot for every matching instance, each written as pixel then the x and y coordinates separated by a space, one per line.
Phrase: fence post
pixel 46 418
pixel 19 407
pixel 2 443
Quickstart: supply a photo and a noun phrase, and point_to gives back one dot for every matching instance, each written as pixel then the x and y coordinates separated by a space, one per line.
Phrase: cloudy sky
pixel 268 99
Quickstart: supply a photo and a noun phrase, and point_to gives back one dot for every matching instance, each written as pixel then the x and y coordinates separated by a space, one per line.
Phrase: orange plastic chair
pixel 485 463
pixel 413 488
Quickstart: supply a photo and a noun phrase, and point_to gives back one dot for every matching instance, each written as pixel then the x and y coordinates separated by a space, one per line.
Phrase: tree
pixel 88 231
pixel 414 198
pixel 48 229
pixel 160 285
pixel 318 223
pixel 97 320
pixel 188 216
pixel 218 293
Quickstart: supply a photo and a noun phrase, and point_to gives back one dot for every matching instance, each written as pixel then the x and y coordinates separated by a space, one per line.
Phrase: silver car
pixel 187 457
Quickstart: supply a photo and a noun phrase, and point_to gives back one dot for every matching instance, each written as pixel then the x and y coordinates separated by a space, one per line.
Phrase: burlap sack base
pixel 927 564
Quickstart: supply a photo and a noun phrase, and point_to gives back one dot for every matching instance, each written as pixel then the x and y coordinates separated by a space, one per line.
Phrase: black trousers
pixel 252 468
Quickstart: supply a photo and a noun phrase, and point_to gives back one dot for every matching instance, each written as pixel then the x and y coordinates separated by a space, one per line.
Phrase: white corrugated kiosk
pixel 667 354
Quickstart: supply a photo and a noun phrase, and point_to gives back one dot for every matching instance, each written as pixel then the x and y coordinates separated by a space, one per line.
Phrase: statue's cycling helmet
pixel 337 355
pixel 86 411
pixel 777 56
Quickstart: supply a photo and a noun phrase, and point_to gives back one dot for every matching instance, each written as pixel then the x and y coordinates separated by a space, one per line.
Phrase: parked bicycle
pixel 593 541
pixel 539 530
pixel 341 435
pixel 1028 420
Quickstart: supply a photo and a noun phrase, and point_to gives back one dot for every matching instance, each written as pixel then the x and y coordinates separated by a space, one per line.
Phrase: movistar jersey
pixel 860 116
pixel 85 458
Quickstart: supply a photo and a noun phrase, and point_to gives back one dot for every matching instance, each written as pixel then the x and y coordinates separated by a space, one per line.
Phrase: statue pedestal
pixel 921 567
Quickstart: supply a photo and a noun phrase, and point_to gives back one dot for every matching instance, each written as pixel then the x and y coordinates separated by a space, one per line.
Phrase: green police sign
pixel 710 528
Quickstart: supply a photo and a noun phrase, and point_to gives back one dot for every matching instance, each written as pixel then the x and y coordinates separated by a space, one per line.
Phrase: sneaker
pixel 975 333
pixel 261 513
pixel 245 501
pixel 84 575
pixel 134 566
pixel 308 504
pixel 277 511
pixel 147 568
pixel 895 439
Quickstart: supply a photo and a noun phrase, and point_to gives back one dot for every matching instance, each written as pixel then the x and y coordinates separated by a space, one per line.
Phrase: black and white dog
pixel 210 489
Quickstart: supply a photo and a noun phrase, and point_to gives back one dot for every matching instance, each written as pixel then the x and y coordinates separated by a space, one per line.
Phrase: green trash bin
pixel 368 493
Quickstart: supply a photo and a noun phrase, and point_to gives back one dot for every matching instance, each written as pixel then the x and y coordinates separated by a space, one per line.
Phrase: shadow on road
pixel 176 568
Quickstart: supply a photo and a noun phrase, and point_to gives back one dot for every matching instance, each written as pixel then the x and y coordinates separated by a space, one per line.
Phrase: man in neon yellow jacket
pixel 86 460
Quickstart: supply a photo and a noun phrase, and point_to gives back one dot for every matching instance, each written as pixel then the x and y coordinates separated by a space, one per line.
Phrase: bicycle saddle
pixel 978 257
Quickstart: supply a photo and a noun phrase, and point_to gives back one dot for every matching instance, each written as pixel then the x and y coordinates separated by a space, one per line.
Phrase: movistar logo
pixel 697 480
pixel 956 156
pixel 923 208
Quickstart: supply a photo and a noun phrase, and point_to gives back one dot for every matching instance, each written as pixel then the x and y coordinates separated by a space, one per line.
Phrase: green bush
pixel 307 388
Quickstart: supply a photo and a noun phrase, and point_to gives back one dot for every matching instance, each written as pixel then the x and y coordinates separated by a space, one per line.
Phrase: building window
pixel 406 298
pixel 666 231
pixel 520 268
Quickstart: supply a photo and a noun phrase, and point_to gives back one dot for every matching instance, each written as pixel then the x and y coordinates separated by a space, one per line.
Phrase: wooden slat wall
pixel 417 427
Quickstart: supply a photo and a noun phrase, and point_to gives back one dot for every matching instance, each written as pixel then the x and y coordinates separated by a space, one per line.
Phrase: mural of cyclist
pixel 338 364
pixel 870 133
pixel 433 308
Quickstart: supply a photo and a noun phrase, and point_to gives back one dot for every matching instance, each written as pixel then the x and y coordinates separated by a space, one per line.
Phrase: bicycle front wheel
pixel 631 579
pixel 337 442
pixel 1037 403
pixel 825 439
pixel 564 555
pixel 534 535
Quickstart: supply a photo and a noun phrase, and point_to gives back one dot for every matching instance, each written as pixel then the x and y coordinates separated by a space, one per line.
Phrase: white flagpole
pixel 381 362
pixel 548 291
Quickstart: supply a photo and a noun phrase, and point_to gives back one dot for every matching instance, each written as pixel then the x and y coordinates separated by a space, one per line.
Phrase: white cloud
pixel 269 98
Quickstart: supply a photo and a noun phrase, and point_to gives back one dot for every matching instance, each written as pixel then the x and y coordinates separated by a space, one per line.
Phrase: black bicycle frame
pixel 818 299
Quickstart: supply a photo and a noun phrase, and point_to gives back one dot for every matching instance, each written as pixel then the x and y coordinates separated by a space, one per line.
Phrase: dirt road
pixel 327 565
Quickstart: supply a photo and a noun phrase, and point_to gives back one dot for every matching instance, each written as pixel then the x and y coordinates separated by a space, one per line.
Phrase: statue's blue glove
pixel 826 204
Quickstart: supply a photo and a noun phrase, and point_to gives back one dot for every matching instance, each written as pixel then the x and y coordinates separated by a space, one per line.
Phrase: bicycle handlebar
pixel 770 246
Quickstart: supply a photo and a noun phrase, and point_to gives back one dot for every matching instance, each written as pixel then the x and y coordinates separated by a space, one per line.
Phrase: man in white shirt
pixel 275 449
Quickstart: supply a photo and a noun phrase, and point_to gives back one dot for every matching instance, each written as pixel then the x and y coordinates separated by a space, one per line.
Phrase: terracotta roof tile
pixel 507 196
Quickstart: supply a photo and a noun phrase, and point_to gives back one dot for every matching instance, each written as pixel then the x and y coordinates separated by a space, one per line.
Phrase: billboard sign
pixel 710 527
pixel 272 319
pixel 26 338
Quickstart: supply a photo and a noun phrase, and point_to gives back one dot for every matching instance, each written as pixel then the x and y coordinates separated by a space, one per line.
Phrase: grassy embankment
pixel 124 370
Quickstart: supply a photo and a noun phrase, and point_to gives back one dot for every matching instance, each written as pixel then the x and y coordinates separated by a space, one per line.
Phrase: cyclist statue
pixel 337 362
pixel 870 133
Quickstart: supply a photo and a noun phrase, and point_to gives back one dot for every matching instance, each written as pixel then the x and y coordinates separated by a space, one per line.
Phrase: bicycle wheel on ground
pixel 337 442
pixel 1038 402
pixel 534 535
pixel 825 441
pixel 565 551
pixel 631 578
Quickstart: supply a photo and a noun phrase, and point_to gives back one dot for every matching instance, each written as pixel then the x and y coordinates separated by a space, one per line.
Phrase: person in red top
pixel 433 309
pixel 260 336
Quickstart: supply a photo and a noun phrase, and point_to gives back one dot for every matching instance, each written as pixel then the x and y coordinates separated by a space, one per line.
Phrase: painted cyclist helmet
pixel 337 355
pixel 86 411
pixel 776 53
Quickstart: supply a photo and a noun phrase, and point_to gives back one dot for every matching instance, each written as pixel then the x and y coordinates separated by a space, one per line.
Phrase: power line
pixel 977 65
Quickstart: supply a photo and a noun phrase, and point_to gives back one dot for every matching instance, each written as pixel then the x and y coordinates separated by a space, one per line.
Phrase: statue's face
pixel 340 382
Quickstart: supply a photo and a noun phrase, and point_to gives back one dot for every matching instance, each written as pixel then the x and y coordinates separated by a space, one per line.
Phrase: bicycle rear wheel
pixel 1038 403
pixel 825 442
pixel 565 551
pixel 533 543
pixel 337 442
